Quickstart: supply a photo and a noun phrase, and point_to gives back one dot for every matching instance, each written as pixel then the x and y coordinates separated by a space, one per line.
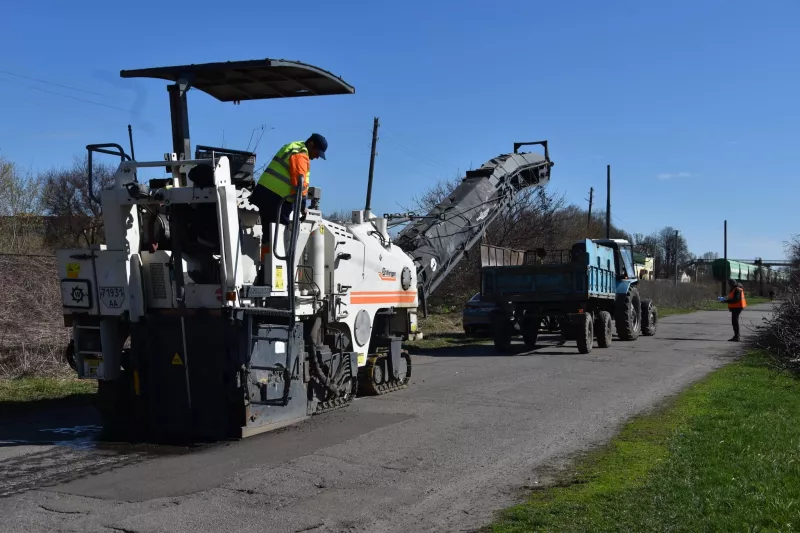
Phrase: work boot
pixel 733 339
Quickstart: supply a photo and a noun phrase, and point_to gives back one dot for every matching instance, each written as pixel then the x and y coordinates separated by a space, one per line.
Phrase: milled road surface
pixel 471 433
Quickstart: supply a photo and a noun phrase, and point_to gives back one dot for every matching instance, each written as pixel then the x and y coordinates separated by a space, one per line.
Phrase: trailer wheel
pixel 628 314
pixel 602 327
pixel 649 318
pixel 501 332
pixel 585 333
pixel 530 331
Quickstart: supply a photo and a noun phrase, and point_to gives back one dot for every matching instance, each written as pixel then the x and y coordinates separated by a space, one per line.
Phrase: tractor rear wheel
pixel 602 327
pixel 628 315
pixel 584 330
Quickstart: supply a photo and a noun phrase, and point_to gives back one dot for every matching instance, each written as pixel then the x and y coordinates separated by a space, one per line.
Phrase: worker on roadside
pixel 288 169
pixel 736 302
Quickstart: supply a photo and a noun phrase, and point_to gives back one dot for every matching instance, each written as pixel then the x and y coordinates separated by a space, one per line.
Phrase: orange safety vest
pixel 741 304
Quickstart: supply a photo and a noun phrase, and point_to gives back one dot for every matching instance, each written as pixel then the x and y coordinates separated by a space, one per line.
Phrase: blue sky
pixel 693 104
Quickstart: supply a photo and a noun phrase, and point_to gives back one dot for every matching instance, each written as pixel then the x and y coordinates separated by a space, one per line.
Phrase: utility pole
pixel 676 258
pixel 725 268
pixel 608 201
pixel 589 218
pixel 375 126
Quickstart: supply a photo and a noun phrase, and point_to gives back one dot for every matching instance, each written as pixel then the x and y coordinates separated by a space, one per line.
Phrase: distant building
pixel 645 266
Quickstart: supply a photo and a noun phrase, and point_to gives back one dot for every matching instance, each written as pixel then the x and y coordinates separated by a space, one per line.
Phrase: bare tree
pixel 67 198
pixel 339 216
pixel 431 197
pixel 21 229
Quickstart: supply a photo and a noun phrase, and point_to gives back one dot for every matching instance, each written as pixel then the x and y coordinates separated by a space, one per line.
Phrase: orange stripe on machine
pixel 382 297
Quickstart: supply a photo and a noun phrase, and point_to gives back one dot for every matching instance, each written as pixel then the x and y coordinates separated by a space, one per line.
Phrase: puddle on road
pixel 90 438
pixel 82 437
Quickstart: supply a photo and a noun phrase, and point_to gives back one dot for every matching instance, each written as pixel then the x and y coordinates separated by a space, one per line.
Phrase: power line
pixel 50 83
pixel 77 98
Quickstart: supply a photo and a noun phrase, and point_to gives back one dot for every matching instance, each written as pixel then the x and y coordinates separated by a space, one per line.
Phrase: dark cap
pixel 320 143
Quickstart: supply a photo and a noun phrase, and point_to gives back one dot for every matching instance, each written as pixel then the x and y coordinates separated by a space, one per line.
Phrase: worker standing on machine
pixel 282 177
pixel 277 186
pixel 736 302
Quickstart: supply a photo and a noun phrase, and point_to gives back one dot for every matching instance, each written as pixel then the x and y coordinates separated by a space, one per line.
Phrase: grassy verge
pixel 721 456
pixel 31 389
pixel 442 330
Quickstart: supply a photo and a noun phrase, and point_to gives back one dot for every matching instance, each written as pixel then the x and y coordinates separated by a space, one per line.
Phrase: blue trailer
pixel 582 290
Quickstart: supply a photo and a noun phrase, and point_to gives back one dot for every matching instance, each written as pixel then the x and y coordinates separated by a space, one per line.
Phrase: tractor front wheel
pixel 649 318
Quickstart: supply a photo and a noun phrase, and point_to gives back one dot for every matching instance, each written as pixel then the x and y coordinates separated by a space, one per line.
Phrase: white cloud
pixel 670 175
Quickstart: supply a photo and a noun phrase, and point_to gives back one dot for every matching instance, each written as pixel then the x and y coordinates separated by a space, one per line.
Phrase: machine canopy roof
pixel 258 79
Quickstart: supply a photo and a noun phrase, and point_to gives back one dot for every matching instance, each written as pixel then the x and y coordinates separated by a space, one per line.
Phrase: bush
pixel 32 332
pixel 780 333
pixel 666 295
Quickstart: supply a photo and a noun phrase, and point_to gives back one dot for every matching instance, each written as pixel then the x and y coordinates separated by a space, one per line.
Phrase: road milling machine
pixel 200 325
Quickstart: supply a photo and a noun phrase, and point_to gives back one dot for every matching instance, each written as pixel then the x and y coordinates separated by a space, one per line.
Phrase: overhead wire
pixel 414 147
pixel 51 83
pixel 85 100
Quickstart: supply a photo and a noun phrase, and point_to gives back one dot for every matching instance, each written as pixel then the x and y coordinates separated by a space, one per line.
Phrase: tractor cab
pixel 623 252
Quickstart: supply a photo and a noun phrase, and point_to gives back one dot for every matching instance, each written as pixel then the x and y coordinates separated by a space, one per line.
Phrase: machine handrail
pixel 101 148
pixel 289 257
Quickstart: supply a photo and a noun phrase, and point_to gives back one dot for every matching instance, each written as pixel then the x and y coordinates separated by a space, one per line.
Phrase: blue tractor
pixel 578 292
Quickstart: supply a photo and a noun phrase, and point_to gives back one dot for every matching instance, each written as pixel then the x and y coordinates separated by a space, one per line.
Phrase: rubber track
pixel 366 383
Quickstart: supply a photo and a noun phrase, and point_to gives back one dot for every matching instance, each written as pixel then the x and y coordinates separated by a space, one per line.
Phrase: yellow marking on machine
pixel 176 359
pixel 279 277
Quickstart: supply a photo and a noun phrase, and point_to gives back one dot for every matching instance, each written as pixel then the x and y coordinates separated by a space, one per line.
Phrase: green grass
pixel 30 389
pixel 722 456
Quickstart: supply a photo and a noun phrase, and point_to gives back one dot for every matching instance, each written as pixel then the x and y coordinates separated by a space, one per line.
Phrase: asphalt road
pixel 474 430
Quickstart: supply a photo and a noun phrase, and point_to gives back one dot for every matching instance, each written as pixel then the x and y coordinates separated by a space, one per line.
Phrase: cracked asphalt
pixel 470 435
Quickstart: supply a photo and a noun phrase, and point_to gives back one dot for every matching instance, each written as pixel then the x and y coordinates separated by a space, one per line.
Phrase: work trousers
pixel 267 203
pixel 735 321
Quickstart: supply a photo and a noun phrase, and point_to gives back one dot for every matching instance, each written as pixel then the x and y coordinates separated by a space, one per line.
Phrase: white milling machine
pixel 190 332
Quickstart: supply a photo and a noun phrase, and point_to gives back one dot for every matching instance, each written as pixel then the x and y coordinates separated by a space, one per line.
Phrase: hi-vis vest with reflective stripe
pixel 276 177
pixel 741 304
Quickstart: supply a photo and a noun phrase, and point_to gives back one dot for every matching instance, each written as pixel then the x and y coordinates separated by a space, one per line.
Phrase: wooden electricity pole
pixel 608 201
pixel 725 264
pixel 676 258
pixel 589 218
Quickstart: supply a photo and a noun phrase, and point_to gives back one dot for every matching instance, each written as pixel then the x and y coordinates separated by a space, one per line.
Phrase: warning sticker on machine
pixel 279 278
pixel 112 297
pixel 176 359
pixel 73 270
